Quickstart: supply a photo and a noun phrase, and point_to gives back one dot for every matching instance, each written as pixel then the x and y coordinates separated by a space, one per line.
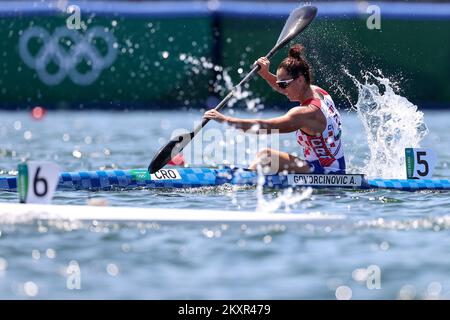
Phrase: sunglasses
pixel 283 84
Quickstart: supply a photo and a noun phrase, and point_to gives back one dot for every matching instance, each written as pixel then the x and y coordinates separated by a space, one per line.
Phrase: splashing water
pixel 223 82
pixel 287 199
pixel 392 123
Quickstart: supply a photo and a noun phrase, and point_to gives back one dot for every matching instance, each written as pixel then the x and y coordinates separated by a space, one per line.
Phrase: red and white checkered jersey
pixel 326 147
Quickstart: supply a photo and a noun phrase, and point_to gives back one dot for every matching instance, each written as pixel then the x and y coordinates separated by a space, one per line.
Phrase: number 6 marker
pixel 37 181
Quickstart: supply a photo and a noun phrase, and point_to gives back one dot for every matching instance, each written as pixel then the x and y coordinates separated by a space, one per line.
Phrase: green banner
pixel 22 181
pixel 127 61
pixel 409 160
pixel 140 175
pixel 412 53
pixel 116 62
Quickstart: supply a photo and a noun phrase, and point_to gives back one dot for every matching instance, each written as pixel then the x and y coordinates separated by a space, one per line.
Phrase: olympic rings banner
pixel 52 51
pixel 174 54
pixel 117 61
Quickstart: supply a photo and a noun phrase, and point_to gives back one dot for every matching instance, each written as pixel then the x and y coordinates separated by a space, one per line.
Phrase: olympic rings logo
pixel 67 58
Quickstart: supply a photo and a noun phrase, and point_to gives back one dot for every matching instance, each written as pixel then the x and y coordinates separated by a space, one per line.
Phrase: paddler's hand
pixel 264 63
pixel 215 115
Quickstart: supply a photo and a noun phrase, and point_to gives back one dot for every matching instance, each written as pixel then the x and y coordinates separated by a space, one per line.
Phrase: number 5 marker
pixel 37 181
pixel 420 163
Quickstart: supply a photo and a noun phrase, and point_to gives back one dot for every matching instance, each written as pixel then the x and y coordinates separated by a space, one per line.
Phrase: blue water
pixel 404 234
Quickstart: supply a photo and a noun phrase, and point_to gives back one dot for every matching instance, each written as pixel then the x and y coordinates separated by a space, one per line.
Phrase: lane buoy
pixel 38 113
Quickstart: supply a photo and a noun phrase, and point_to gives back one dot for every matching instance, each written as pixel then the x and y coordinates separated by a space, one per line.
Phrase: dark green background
pixel 414 53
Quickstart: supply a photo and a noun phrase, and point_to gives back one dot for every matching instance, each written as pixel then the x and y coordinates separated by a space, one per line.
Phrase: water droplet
pixel 31 289
pixel 343 293
pixel 50 253
pixel 3 264
pixel 407 292
pixel 66 137
pixel 434 289
pixel 35 254
pixel 360 274
pixel 112 269
pixel 77 154
pixel 17 125
pixel 384 246
pixel 126 247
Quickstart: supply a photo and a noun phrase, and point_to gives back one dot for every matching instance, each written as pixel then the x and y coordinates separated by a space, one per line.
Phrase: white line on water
pixel 22 213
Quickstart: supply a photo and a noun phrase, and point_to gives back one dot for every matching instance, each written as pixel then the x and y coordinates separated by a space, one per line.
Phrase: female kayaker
pixel 316 120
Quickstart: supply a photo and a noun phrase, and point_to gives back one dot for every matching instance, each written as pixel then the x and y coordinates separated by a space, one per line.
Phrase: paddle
pixel 298 20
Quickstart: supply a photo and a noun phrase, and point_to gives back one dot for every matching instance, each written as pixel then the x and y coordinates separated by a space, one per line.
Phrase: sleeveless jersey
pixel 324 149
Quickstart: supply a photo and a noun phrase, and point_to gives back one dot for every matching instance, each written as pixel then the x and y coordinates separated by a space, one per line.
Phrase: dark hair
pixel 295 63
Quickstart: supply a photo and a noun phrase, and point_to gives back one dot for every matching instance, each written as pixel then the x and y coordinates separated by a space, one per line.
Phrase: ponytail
pixel 296 64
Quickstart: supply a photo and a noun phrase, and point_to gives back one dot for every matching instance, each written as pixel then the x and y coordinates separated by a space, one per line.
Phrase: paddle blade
pixel 298 20
pixel 169 151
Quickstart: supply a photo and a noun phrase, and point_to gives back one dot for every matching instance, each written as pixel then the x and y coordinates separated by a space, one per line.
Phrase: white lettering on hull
pixel 336 180
pixel 166 174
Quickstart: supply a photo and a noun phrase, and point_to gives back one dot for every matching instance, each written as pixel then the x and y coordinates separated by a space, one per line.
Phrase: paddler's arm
pixel 293 120
pixel 266 74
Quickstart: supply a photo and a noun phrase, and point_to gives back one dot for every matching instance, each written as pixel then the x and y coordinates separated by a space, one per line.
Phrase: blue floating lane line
pixel 410 185
pixel 202 177
pixel 163 9
pixel 8 183
pixel 275 10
